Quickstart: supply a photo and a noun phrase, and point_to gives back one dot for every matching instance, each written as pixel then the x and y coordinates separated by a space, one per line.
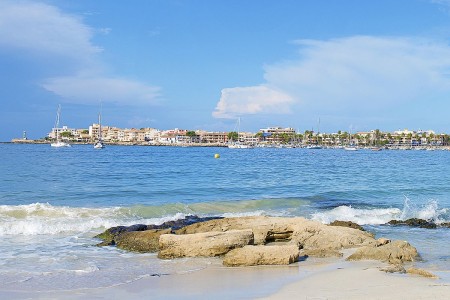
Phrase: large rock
pixel 395 252
pixel 314 235
pixel 141 241
pixel 212 243
pixel 265 229
pixel 261 255
pixel 299 231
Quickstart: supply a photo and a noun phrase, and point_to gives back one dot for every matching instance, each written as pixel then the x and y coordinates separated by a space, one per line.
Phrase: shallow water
pixel 53 201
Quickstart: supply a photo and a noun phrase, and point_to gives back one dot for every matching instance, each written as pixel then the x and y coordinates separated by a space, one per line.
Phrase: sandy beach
pixel 310 279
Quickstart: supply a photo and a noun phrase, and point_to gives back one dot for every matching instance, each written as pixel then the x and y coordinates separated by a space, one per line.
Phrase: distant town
pixel 266 137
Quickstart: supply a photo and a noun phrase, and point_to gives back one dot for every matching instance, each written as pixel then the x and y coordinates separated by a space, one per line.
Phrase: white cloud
pixel 251 100
pixel 355 75
pixel 43 31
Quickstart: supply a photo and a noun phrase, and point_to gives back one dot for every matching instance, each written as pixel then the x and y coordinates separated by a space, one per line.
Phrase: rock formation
pixel 261 255
pixel 212 243
pixel 247 241
pixel 395 252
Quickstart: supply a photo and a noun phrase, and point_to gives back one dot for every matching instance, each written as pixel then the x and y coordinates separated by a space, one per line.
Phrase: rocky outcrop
pixel 395 252
pixel 261 255
pixel 257 240
pixel 349 224
pixel 299 231
pixel 421 223
pixel 414 222
pixel 212 243
pixel 141 241
pixel 111 235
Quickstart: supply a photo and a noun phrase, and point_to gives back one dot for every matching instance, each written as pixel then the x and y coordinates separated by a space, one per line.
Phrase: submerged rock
pixel 394 268
pixel 347 224
pixel 261 255
pixel 414 222
pixel 212 243
pixel 421 272
pixel 395 252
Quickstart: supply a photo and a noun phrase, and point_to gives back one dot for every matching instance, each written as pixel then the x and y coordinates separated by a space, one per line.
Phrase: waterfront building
pixel 214 137
pixel 71 133
pixel 275 134
pixel 151 135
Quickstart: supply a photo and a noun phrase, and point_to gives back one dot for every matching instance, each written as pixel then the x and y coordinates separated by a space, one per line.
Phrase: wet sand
pixel 311 279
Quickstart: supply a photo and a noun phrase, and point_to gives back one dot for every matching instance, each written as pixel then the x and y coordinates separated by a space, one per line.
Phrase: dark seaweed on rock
pixel 109 235
pixel 349 224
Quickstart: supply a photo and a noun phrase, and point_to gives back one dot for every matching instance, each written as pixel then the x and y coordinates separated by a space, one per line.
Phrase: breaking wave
pixel 375 216
pixel 44 218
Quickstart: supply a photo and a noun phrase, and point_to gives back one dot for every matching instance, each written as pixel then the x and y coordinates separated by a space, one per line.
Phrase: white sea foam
pixel 360 216
pixel 44 218
pixel 376 216
pixel 429 211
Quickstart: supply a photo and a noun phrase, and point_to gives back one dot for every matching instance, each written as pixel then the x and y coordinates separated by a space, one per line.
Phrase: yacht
pixel 59 143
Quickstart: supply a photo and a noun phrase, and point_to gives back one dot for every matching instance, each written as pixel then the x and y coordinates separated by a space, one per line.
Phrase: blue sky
pixel 201 64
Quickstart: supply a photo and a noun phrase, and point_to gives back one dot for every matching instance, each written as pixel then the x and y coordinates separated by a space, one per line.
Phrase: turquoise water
pixel 52 201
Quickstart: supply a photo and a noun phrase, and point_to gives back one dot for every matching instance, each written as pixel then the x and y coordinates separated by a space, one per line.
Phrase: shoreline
pixel 316 278
pixel 221 145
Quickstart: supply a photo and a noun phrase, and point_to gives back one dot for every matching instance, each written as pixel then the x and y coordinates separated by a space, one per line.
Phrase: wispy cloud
pixel 356 75
pixel 88 89
pixel 41 30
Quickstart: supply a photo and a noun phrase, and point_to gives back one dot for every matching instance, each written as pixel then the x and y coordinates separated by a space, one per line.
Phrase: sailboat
pixel 99 144
pixel 351 146
pixel 238 144
pixel 59 143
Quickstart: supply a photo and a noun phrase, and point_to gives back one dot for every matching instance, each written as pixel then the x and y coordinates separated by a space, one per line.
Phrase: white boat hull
pixel 60 144
pixel 99 146
pixel 351 149
pixel 239 146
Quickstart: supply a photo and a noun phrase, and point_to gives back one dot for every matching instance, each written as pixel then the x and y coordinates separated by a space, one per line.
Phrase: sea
pixel 53 201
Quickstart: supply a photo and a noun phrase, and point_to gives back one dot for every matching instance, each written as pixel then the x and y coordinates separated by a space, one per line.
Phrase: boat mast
pixel 100 124
pixel 58 112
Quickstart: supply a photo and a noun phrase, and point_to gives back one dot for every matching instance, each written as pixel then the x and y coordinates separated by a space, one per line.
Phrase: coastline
pixel 314 279
pixel 222 145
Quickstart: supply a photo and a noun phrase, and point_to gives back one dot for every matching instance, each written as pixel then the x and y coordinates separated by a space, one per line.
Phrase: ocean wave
pixel 44 218
pixel 375 216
